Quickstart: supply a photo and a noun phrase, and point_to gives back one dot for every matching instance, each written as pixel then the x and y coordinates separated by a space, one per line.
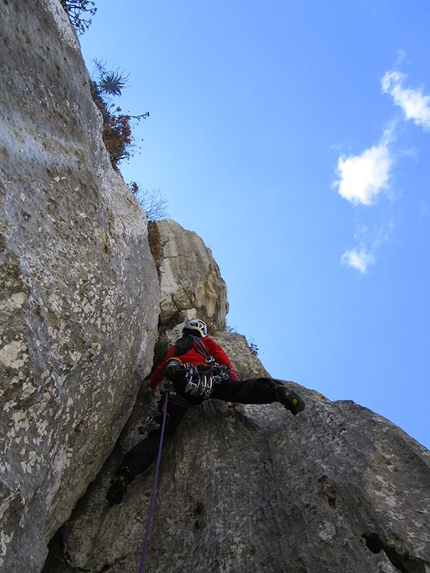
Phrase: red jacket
pixel 193 357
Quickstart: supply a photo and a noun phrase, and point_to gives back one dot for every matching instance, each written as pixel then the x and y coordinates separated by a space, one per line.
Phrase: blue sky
pixel 294 138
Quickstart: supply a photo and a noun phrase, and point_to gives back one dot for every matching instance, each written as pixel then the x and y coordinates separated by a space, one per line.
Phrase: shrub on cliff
pixel 117 132
pixel 76 9
pixel 154 203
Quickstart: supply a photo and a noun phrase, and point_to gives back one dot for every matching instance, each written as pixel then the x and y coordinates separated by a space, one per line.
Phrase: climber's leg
pixel 258 391
pixel 143 454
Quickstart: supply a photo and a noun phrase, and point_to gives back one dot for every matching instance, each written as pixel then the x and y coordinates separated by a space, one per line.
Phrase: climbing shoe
pixel 288 398
pixel 118 486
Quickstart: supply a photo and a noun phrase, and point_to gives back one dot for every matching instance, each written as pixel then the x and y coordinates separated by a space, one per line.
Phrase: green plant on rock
pixel 160 350
pixel 76 9
pixel 117 132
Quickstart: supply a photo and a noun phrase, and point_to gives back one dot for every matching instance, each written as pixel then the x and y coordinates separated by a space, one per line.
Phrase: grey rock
pixel 245 362
pixel 336 489
pixel 190 281
pixel 80 293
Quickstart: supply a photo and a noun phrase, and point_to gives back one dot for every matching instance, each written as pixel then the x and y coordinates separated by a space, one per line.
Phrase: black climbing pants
pixel 253 391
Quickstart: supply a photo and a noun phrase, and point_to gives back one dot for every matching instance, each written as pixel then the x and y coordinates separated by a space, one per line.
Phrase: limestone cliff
pixel 189 279
pixel 336 489
pixel 79 289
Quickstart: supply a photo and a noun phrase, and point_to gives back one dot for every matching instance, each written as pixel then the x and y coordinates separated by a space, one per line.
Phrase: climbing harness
pixel 203 350
pixel 200 383
pixel 154 487
pixel 199 378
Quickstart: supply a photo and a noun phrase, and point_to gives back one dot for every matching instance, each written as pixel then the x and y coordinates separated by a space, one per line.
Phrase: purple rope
pixel 154 487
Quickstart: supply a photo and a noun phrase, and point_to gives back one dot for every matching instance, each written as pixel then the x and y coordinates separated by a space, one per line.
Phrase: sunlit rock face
pixel 80 294
pixel 190 281
pixel 336 489
pixel 251 488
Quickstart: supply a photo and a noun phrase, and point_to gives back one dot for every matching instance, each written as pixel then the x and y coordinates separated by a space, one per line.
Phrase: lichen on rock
pixel 80 294
pixel 336 489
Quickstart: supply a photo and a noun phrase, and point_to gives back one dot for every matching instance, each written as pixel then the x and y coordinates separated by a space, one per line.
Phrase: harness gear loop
pixel 154 487
pixel 200 380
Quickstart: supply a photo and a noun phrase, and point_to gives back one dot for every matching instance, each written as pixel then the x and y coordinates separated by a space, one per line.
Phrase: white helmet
pixel 198 326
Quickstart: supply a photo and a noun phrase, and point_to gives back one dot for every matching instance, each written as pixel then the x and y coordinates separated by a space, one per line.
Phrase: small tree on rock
pixel 152 202
pixel 75 10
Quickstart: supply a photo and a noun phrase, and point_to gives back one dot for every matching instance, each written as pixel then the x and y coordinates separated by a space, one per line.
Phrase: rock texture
pixel 80 296
pixel 336 489
pixel 190 281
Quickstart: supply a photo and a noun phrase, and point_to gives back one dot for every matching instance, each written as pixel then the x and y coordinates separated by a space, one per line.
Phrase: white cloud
pixel 424 209
pixel 359 260
pixel 415 105
pixel 363 177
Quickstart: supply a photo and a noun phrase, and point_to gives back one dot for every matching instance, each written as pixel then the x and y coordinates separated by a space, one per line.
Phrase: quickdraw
pixel 200 384
pixel 150 422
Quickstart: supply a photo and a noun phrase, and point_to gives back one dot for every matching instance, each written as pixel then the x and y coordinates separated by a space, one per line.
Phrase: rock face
pixel 190 281
pixel 336 489
pixel 80 294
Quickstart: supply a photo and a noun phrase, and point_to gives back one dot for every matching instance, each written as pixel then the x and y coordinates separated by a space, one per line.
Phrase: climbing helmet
pixel 197 326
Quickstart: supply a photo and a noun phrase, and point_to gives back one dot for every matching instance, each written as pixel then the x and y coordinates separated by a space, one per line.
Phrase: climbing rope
pixel 154 487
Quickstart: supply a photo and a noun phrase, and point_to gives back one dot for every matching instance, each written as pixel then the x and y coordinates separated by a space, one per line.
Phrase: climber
pixel 196 368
